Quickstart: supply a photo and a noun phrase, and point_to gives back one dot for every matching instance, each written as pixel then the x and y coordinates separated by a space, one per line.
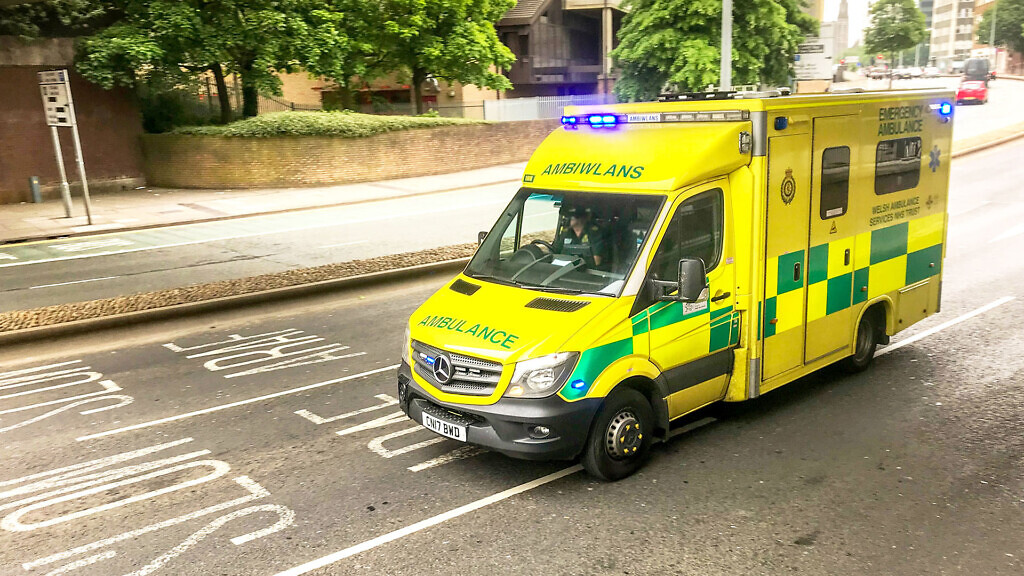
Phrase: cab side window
pixel 835 181
pixel 695 231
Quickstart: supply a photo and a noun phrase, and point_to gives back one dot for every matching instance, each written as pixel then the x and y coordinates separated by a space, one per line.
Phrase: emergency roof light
pixel 609 120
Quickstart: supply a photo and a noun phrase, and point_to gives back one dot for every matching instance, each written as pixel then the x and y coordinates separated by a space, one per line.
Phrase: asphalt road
pixel 75 269
pixel 259 441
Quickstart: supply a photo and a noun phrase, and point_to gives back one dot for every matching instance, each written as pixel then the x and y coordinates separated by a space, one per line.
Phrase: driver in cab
pixel 582 239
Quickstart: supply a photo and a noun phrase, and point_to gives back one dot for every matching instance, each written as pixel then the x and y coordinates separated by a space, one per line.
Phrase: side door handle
pixel 722 296
pixel 796 272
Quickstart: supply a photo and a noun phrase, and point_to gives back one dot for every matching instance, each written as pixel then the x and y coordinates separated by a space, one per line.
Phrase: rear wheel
pixel 867 340
pixel 620 436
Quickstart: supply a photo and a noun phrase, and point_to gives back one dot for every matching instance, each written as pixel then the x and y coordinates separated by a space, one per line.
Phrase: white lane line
pixel 944 325
pixel 285 230
pixel 72 282
pixel 452 514
pixel 429 522
pixel 232 404
pixel 345 244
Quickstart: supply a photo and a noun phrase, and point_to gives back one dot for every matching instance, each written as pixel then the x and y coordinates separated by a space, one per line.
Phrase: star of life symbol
pixel 934 162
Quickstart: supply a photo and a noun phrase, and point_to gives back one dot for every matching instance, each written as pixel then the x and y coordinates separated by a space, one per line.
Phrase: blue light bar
pixel 569 120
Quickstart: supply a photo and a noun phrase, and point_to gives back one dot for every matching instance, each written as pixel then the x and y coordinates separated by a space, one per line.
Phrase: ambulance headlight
pixel 406 344
pixel 540 377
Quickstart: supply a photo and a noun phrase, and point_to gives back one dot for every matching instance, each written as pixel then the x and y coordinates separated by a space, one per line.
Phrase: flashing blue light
pixel 569 120
pixel 781 122
pixel 598 120
pixel 429 359
pixel 945 109
pixel 578 384
pixel 595 120
pixel 608 119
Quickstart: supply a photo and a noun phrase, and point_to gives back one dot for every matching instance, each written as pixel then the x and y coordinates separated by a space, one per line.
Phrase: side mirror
pixel 692 280
pixel 480 237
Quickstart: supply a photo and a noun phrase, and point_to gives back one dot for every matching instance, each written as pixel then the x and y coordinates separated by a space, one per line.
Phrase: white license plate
pixel 453 431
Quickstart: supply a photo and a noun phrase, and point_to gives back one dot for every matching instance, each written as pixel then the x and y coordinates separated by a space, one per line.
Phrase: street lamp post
pixel 725 64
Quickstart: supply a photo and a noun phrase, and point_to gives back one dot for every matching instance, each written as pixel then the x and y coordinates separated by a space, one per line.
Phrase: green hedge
pixel 344 124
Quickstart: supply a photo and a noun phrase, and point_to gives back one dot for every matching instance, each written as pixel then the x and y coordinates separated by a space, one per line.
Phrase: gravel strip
pixel 50 315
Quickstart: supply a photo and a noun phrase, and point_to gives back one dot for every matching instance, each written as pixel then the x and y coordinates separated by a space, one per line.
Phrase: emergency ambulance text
pixel 900 120
pixel 595 169
pixel 492 335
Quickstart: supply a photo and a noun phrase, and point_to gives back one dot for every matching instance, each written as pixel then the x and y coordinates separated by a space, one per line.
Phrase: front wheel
pixel 620 437
pixel 867 341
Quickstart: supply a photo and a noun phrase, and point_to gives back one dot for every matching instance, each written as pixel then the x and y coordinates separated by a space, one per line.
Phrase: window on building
pixel 835 181
pixel 897 165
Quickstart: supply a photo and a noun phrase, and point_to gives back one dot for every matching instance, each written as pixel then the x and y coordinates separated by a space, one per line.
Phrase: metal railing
pixel 540 107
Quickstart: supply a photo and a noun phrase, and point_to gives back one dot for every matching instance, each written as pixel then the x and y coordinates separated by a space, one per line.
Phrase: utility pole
pixel 725 64
pixel 992 32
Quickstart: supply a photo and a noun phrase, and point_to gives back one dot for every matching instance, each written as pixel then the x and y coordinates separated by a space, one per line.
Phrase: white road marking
pixel 1015 231
pixel 72 282
pixel 92 244
pixel 345 244
pixel 233 404
pixel 315 419
pixel 83 563
pixel 5 256
pixel 377 444
pixel 392 418
pixel 255 492
pixel 12 522
pixel 285 518
pixel 457 454
pixel 4 376
pixel 428 523
pixel 944 325
pixel 122 400
pixel 108 387
pixel 253 234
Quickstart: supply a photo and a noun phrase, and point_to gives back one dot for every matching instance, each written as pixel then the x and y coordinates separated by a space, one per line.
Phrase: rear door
pixel 831 239
pixel 789 204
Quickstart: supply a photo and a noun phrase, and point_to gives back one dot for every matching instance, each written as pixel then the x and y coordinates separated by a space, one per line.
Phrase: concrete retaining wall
pixel 177 161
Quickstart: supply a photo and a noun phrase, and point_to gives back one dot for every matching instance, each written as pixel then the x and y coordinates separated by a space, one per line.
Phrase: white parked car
pixel 930 72
pixel 915 72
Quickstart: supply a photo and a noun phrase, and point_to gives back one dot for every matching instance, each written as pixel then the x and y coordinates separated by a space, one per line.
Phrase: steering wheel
pixel 546 244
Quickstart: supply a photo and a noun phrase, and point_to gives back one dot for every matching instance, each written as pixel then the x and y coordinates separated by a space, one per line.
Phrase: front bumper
pixel 505 426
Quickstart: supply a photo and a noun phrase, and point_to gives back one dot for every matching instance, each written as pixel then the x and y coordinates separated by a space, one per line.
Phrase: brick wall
pixel 177 161
pixel 108 121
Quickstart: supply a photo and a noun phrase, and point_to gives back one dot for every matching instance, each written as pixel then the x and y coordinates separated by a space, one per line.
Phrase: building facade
pixel 561 46
pixel 952 33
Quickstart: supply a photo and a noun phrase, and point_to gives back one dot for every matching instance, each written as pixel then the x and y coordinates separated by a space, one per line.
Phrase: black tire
pixel 866 342
pixel 615 449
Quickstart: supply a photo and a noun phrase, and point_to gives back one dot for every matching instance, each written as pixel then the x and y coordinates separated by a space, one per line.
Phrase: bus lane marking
pixel 212 409
pixel 272 350
pixel 17 385
pixel 55 487
pixel 376 444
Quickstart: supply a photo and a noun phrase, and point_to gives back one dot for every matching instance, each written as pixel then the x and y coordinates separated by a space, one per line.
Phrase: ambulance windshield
pixel 570 242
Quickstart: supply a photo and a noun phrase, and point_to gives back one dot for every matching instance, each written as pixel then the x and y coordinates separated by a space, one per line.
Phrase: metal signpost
pixel 60 111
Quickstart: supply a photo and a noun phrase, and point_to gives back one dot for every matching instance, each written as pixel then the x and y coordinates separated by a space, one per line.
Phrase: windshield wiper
pixel 495 279
pixel 540 288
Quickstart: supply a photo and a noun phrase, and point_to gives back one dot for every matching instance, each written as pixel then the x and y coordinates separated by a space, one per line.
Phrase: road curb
pixel 987 145
pixel 229 302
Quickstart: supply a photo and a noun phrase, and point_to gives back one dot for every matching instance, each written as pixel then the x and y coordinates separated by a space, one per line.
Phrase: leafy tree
pixel 1009 24
pixel 678 42
pixel 896 25
pixel 453 40
pixel 160 40
pixel 54 18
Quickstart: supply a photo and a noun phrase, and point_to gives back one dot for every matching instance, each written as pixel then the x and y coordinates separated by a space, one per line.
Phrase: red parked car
pixel 972 91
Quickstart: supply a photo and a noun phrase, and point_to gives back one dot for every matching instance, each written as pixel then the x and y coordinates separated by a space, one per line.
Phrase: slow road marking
pixel 232 404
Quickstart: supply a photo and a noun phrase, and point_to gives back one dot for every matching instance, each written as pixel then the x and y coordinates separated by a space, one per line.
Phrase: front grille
pixel 556 305
pixel 471 376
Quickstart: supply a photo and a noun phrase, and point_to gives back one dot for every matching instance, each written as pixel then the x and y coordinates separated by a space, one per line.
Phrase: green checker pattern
pixel 843 291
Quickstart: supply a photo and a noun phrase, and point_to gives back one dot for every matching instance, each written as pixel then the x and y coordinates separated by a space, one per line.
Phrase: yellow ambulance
pixel 662 256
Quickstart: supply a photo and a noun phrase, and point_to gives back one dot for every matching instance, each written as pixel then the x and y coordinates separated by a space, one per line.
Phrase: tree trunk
pixel 250 94
pixel 222 93
pixel 892 60
pixel 419 76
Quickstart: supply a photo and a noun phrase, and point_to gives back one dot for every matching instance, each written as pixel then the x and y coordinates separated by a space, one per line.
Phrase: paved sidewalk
pixel 150 207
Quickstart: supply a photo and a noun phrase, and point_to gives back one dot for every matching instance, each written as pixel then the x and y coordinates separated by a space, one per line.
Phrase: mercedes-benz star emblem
pixel 442 369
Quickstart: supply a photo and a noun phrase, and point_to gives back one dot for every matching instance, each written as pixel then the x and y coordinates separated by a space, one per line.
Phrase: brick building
pixel 109 123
